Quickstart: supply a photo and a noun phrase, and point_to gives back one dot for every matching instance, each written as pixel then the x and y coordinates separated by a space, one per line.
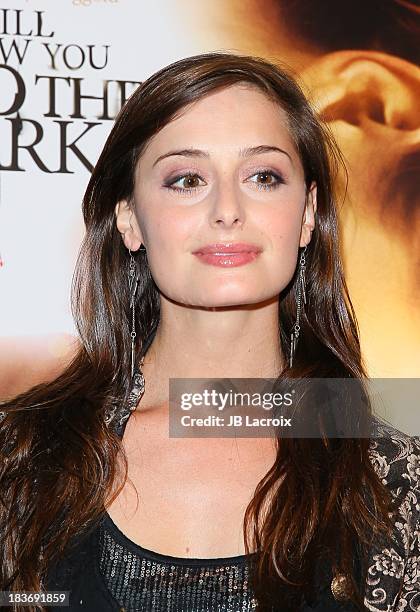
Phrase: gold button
pixel 340 587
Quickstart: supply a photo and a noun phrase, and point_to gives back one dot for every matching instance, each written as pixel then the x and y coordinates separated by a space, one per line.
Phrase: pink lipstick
pixel 228 254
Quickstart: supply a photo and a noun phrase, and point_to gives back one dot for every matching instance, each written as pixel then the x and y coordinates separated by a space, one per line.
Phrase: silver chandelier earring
pixel 294 337
pixel 133 281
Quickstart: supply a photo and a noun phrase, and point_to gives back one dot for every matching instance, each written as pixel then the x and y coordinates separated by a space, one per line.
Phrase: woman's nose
pixel 228 207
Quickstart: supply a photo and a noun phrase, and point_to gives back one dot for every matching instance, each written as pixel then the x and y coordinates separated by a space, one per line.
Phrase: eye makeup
pixel 276 180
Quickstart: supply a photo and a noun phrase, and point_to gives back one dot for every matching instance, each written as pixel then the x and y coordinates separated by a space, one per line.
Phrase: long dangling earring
pixel 133 281
pixel 294 337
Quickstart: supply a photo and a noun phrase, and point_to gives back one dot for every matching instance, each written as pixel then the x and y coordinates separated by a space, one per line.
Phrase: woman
pixel 97 499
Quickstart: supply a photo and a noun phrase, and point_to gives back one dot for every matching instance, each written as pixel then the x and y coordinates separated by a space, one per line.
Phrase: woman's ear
pixel 309 212
pixel 127 225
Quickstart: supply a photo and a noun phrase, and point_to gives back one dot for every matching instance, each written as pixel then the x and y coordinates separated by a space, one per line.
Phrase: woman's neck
pixel 240 342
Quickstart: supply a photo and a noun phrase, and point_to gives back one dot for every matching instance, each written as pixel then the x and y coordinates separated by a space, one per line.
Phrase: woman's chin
pixel 244 300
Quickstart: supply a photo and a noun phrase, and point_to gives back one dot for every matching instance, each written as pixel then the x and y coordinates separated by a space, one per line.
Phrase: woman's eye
pixel 267 179
pixel 190 183
pixel 187 183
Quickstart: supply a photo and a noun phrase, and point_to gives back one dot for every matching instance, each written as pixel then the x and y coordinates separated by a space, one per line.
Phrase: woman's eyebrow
pixel 244 152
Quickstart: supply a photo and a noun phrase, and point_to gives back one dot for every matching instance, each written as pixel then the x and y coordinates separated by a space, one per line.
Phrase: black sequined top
pixel 141 579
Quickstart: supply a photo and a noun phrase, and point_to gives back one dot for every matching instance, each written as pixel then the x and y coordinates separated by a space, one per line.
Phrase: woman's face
pixel 221 188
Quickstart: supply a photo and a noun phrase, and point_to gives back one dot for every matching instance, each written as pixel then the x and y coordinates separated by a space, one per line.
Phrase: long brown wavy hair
pixel 59 456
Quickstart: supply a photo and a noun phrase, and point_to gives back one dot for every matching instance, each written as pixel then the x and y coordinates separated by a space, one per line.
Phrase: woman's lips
pixel 228 255
pixel 227 259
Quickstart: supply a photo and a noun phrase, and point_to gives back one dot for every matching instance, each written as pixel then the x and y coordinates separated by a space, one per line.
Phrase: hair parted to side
pixel 58 455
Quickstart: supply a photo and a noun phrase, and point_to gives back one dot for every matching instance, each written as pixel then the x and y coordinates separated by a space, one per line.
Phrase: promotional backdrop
pixel 67 66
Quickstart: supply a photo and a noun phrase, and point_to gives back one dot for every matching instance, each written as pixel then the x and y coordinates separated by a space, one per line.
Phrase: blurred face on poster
pixel 359 71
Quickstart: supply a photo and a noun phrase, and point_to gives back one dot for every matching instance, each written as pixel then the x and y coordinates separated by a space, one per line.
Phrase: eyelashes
pixel 192 175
